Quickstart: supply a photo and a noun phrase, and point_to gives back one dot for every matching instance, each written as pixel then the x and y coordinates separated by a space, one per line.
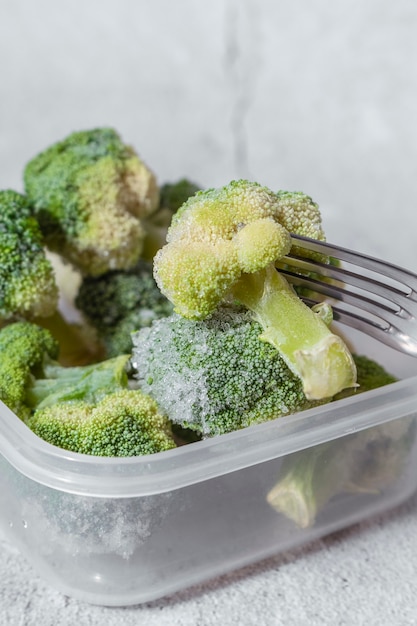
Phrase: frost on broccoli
pixel 121 302
pixel 215 376
pixel 90 193
pixel 223 245
pixel 27 279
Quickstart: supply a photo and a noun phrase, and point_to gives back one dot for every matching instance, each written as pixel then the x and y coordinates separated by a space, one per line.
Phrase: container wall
pixel 119 551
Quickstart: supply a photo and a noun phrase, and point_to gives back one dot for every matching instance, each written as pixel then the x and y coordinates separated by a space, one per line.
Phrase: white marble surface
pixel 312 95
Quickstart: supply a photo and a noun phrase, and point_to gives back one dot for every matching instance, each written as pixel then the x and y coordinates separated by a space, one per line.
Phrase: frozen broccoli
pixel 31 377
pixel 299 214
pixel 87 409
pixel 27 279
pixel 172 197
pixel 365 462
pixel 90 193
pixel 29 288
pixel 120 302
pixel 215 376
pixel 223 245
pixel 122 423
pixel 23 347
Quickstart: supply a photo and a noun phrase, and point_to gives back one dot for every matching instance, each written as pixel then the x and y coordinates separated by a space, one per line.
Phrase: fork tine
pixel 361 301
pixel 388 334
pixel 361 312
pixel 383 268
pixel 386 303
pixel 364 298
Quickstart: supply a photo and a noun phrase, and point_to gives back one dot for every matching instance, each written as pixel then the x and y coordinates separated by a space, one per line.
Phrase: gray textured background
pixel 308 95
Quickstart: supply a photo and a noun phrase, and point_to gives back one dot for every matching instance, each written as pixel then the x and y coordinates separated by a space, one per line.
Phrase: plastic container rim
pixel 189 464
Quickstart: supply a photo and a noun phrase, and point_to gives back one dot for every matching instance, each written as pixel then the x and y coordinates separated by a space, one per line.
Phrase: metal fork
pixel 365 293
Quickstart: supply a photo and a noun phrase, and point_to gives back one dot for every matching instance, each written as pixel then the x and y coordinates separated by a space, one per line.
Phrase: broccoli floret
pixel 29 286
pixel 215 376
pixel 30 375
pixel 223 244
pixel 172 197
pixel 366 462
pixel 90 193
pixel 86 409
pixel 23 347
pixel 123 423
pixel 299 214
pixel 27 279
pixel 121 302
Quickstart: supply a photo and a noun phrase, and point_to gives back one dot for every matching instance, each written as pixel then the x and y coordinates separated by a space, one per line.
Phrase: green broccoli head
pixel 223 244
pixel 124 423
pixel 27 279
pixel 24 347
pixel 121 302
pixel 215 376
pixel 90 193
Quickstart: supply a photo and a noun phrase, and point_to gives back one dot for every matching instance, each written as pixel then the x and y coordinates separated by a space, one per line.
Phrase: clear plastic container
pixel 124 531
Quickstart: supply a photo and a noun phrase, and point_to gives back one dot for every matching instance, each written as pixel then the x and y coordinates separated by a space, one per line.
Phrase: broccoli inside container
pixel 170 406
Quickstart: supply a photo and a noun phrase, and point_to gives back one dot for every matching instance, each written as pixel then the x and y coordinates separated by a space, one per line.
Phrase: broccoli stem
pixel 89 383
pixel 310 480
pixel 364 463
pixel 309 348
